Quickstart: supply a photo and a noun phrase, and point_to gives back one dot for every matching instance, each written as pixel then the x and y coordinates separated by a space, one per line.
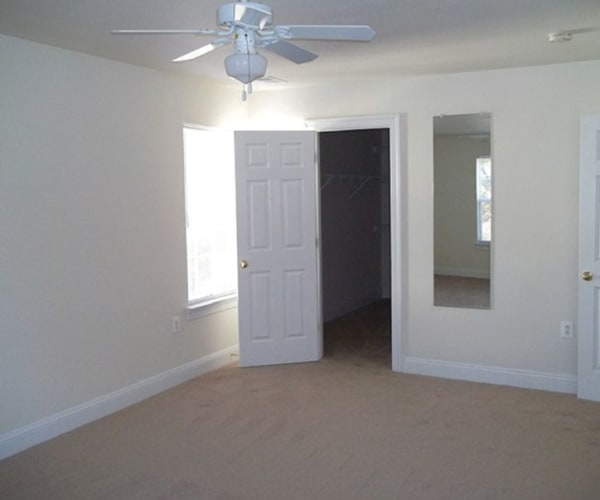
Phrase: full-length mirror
pixel 462 210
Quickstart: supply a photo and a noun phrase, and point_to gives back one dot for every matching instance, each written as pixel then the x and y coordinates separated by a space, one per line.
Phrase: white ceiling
pixel 413 36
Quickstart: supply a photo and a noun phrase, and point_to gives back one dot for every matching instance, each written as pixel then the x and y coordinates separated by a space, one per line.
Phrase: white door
pixel 588 344
pixel 278 295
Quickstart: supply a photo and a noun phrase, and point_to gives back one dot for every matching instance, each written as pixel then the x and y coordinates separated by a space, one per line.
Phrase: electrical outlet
pixel 175 324
pixel 566 329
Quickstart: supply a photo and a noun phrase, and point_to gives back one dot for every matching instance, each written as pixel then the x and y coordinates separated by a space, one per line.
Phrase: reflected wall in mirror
pixel 462 210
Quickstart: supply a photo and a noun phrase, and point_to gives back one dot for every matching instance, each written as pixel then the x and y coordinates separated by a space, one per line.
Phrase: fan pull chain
pixel 248 54
pixel 247 88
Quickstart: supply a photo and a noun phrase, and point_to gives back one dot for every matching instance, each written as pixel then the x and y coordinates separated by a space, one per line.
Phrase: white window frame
pixel 480 200
pixel 221 300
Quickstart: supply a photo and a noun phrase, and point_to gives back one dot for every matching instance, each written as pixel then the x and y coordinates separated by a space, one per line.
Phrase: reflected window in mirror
pixel 483 188
pixel 463 210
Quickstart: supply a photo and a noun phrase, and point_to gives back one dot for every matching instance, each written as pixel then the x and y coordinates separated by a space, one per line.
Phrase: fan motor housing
pixel 249 15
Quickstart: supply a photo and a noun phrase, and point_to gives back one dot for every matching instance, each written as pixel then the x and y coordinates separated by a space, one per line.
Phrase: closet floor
pixel 363 336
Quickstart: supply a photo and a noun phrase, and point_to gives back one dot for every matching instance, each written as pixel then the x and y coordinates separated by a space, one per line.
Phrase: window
pixel 210 217
pixel 484 200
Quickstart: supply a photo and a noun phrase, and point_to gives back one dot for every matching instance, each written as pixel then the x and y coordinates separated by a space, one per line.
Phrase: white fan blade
pixel 205 49
pixel 194 54
pixel 291 52
pixel 326 32
pixel 201 31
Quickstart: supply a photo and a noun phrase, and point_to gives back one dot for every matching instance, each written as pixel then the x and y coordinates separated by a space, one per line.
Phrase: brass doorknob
pixel 243 264
pixel 587 276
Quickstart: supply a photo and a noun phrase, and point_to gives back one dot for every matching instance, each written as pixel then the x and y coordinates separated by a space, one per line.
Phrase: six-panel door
pixel 277 235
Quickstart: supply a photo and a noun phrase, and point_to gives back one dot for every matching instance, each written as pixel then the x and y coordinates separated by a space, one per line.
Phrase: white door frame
pixel 396 123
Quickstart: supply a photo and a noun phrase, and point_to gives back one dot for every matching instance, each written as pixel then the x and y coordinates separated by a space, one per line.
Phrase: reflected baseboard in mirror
pixel 458 291
pixel 463 211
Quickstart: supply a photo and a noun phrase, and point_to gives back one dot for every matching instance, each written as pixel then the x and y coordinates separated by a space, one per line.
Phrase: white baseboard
pixel 527 379
pixel 25 437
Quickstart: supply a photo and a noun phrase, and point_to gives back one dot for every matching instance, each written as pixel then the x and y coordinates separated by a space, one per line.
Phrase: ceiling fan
pixel 248 25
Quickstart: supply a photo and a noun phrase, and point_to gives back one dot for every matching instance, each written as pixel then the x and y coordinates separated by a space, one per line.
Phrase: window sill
pixel 195 311
pixel 483 244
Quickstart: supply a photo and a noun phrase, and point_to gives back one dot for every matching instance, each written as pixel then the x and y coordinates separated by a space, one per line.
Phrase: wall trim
pixel 25 437
pixel 527 379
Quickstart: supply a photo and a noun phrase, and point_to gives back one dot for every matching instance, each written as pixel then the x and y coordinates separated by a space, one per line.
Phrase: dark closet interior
pixel 355 242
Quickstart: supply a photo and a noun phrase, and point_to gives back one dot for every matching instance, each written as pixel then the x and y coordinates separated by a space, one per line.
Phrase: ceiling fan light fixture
pixel 246 67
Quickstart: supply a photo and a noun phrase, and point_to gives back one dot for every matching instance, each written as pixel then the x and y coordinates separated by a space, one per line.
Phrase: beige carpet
pixel 345 427
pixel 456 291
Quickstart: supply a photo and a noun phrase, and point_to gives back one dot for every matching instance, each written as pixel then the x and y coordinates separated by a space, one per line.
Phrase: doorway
pixel 396 124
pixel 355 244
pixel 297 153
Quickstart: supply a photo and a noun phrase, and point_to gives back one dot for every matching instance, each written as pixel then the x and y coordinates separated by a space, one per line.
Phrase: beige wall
pixel 92 232
pixel 536 132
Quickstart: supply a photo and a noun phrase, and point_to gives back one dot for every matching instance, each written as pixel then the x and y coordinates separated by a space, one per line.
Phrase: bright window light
pixel 484 200
pixel 210 215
